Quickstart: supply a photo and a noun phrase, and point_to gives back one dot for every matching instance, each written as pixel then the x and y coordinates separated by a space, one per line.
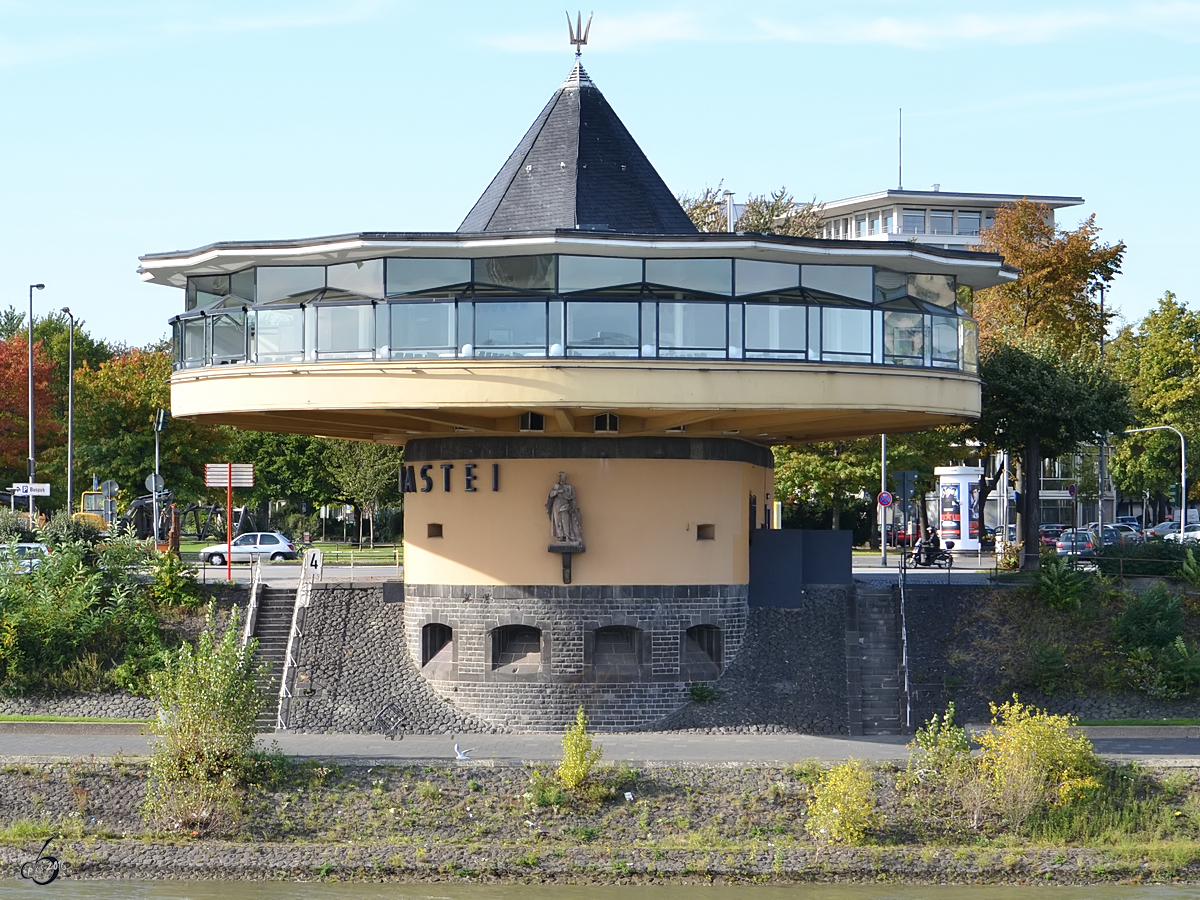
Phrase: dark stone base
pixel 629 691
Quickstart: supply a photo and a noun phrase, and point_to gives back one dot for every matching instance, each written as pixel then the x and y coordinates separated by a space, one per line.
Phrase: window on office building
pixel 913 221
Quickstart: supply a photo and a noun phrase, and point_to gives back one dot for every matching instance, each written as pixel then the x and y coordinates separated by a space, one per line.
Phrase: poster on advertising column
pixel 951 518
pixel 973 516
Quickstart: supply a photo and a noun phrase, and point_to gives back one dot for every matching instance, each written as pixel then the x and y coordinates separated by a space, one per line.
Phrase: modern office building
pixel 587 390
pixel 948 219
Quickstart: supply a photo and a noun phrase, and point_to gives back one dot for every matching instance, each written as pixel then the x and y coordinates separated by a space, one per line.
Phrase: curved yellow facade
pixel 393 401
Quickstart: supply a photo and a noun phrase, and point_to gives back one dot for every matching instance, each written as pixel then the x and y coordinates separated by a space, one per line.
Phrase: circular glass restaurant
pixel 581 306
pixel 587 389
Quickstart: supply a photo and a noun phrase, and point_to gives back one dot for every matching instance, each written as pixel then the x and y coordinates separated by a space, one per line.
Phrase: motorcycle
pixel 941 558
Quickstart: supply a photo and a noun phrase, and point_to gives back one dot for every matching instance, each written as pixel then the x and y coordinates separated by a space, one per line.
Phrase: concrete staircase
pixel 272 628
pixel 877 685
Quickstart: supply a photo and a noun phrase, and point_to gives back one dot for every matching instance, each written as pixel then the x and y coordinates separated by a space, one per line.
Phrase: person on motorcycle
pixel 931 546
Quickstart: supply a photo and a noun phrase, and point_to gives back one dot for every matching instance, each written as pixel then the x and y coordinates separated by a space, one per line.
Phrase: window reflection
pixel 364 278
pixel 845 334
pixel 855 282
pixel 228 338
pixel 756 277
pixel 193 341
pixel 345 331
pixel 527 273
pixel 707 276
pixel 422 330
pixel 413 276
pixel 945 342
pixel 584 273
pixel 279 335
pixel 288 282
pixel 691 329
pixel 510 329
pixel 775 329
pixel 937 289
pixel 602 329
pixel 904 338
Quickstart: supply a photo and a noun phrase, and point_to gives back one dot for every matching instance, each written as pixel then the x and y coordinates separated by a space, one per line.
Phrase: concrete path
pixel 1152 746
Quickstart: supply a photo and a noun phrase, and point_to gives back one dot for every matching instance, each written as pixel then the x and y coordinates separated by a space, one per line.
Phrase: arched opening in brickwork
pixel 436 643
pixel 437 651
pixel 516 649
pixel 703 651
pixel 617 653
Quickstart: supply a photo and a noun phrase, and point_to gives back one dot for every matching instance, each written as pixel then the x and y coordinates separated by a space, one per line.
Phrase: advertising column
pixel 958 506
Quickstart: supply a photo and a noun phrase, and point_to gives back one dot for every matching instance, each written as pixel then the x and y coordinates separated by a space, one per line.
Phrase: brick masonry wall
pixel 566 615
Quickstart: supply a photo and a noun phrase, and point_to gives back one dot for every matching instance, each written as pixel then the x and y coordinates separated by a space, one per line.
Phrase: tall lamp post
pixel 1182 469
pixel 32 288
pixel 70 412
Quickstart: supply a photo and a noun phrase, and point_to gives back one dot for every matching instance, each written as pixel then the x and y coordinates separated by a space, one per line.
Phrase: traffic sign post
pixel 229 476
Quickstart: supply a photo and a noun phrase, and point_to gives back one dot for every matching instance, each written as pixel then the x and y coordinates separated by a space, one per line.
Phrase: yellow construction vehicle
pixel 91 509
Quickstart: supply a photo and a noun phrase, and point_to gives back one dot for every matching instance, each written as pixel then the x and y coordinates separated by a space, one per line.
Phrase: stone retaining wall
pixel 352 662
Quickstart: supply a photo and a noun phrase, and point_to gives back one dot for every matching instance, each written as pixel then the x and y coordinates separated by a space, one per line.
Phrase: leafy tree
pixel 774 213
pixel 827 472
pixel 366 474
pixel 1060 270
pixel 53 332
pixel 1037 404
pixel 14 406
pixel 114 426
pixel 1159 359
pixel 292 467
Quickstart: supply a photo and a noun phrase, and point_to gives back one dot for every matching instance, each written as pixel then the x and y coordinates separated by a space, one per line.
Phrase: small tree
pixel 579 757
pixel 208 703
pixel 842 809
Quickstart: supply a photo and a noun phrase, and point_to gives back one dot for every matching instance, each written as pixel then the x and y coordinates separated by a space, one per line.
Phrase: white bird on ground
pixel 462 754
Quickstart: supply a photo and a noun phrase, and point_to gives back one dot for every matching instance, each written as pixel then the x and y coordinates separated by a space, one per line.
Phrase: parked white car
pixel 270 545
pixel 22 558
pixel 1191 534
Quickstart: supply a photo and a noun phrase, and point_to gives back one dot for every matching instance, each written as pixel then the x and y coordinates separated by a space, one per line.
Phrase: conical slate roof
pixel 578 167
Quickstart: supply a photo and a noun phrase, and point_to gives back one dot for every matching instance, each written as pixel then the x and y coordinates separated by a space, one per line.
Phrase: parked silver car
pixel 269 545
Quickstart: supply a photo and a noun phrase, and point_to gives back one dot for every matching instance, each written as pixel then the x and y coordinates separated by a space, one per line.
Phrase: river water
pixel 215 890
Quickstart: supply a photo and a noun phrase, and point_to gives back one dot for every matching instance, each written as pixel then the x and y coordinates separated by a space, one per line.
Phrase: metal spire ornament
pixel 579 32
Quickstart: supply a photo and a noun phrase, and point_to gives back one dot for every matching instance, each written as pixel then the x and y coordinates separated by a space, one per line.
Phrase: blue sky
pixel 152 125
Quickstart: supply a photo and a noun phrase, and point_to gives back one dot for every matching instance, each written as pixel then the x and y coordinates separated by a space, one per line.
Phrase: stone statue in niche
pixel 566 525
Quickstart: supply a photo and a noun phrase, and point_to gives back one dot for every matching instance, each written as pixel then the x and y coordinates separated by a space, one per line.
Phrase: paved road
pixel 1166 746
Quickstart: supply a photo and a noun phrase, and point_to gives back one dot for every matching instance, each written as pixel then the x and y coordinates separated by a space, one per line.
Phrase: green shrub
pixel 703 693
pixel 939 745
pixel 1153 618
pixel 1059 585
pixel 83 620
pixel 579 758
pixel 173 581
pixel 1149 558
pixel 62 529
pixel 208 703
pixel 842 809
pixel 545 791
pixel 13 529
pixel 1165 673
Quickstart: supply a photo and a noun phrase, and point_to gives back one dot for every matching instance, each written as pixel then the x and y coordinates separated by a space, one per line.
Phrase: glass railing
pixel 595 328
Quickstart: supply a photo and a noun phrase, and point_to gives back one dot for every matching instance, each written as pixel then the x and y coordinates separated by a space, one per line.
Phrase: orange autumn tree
pixel 1061 271
pixel 14 406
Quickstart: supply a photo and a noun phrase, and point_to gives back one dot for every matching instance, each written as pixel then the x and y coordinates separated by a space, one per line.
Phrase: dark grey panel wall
pixel 782 562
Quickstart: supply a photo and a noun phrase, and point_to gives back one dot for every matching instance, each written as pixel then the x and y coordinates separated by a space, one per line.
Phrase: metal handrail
pixel 252 605
pixel 310 571
pixel 903 580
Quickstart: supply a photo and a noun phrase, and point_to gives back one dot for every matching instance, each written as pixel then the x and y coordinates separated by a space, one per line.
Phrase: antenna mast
pixel 900 155
pixel 578 32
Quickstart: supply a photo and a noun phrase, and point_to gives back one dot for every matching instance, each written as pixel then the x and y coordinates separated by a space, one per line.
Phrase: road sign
pixel 885 499
pixel 109 489
pixel 31 490
pixel 1071 490
pixel 154 482
pixel 238 475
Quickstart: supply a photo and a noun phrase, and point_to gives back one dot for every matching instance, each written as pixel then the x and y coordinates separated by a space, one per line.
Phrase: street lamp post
pixel 32 288
pixel 70 411
pixel 1182 470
